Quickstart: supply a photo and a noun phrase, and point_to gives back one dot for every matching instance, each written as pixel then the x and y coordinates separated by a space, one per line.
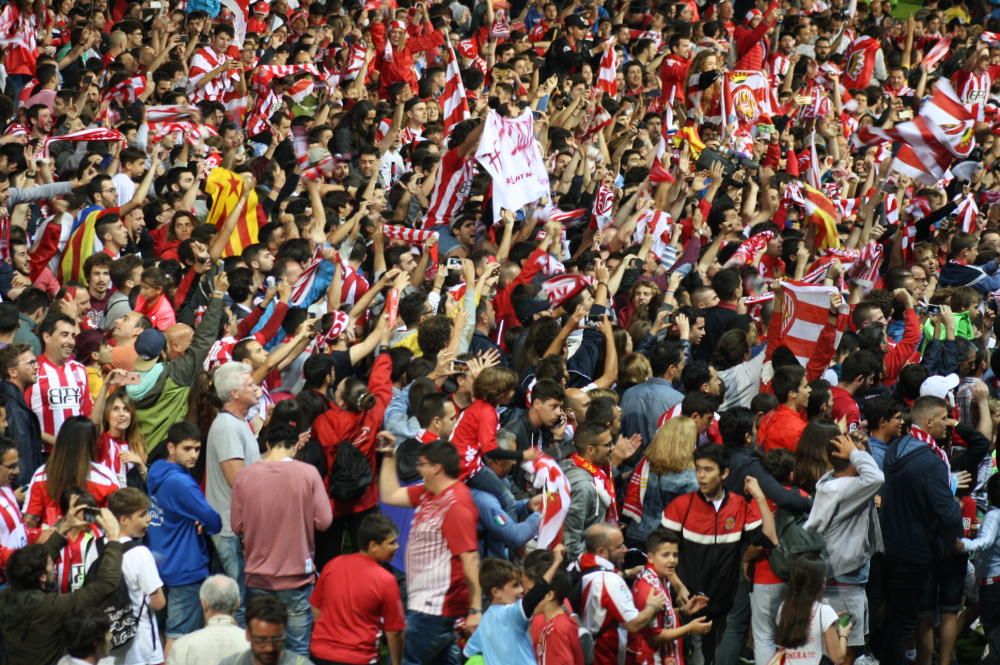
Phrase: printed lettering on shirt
pixel 64 397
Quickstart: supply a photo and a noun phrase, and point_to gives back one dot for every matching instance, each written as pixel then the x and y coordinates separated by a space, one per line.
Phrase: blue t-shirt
pixel 502 637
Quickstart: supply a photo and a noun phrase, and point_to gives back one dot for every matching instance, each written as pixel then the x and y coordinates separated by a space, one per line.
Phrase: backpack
pixel 794 540
pixel 118 606
pixel 351 474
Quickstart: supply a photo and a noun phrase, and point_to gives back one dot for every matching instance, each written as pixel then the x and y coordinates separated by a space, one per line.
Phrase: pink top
pixel 278 534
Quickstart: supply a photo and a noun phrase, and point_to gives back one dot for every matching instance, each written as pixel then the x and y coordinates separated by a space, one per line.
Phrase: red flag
pixel 607 76
pixel 454 104
pixel 860 63
pixel 549 478
pixel 805 311
pixel 967 213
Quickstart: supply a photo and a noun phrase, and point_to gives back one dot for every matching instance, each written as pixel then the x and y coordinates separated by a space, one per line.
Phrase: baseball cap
pixel 576 21
pixel 939 386
pixel 262 7
pixel 528 307
pixel 150 344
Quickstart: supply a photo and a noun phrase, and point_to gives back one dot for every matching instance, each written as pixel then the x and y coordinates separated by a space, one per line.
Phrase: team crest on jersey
pixel 855 64
pixel 730 523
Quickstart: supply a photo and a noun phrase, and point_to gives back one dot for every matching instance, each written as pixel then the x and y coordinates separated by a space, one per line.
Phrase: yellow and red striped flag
pixel 82 243
pixel 823 213
pixel 225 188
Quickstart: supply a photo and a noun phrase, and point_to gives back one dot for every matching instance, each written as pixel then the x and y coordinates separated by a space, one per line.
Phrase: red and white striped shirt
pixel 607 606
pixel 61 392
pixel 444 527
pixel 451 187
pixel 218 89
pixel 110 452
pixel 974 89
pixel 75 558
pixel 101 483
pixel 408 135
pixel 12 534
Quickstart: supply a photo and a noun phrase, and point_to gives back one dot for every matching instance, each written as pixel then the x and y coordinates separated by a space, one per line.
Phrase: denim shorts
pixel 184 613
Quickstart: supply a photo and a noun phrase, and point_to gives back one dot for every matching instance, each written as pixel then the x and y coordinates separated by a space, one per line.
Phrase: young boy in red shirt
pixel 661 642
pixel 554 631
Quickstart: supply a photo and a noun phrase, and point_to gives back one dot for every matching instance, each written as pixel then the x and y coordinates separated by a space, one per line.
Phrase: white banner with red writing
pixel 510 154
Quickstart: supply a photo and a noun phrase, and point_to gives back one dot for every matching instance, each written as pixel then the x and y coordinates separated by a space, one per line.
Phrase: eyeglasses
pixel 33 361
pixel 265 641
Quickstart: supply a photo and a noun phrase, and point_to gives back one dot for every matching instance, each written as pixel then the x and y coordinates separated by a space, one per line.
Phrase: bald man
pixel 179 337
pixel 576 404
pixel 606 593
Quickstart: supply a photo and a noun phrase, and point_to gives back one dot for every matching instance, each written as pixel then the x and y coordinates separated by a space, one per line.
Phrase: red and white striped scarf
pixel 921 435
pixel 97 134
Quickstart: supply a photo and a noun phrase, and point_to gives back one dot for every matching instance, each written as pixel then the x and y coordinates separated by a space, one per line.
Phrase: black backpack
pixel 118 606
pixel 351 474
pixel 794 540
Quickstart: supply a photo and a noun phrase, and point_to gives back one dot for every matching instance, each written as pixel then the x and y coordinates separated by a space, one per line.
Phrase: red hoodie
pixel 360 429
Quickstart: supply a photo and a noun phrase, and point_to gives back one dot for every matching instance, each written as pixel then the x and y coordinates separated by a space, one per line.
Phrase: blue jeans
pixel 429 640
pixel 183 610
pixel 300 618
pixel 486 480
pixel 230 555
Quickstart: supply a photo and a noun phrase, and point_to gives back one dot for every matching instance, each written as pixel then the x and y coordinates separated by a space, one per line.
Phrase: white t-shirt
pixel 812 651
pixel 125 188
pixel 142 578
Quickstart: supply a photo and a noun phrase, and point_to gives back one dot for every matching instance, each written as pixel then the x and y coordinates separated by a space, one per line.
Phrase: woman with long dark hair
pixel 72 464
pixel 811 460
pixel 356 130
pixel 808 628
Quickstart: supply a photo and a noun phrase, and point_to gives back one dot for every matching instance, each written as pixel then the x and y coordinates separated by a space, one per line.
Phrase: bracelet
pixel 218 294
pixel 473 610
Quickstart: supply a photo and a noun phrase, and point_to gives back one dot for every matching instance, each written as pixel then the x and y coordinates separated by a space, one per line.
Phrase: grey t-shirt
pixel 229 438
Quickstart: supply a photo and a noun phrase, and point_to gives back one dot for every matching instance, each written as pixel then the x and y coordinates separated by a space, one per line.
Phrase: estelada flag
pixel 82 243
pixel 225 188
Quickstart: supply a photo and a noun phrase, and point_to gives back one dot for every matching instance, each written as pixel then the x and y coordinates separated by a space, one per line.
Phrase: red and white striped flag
pixel 967 214
pixel 563 287
pixel 549 478
pixel 804 314
pixel 454 104
pixel 302 286
pixel 604 203
pixel 607 76
pixel 658 172
pixel 937 52
pixel 749 249
pixel 865 270
pixel 127 91
pixel 990 37
pixel 99 134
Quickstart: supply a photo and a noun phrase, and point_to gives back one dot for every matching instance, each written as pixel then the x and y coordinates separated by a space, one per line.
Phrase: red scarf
pixel 921 435
pixel 600 477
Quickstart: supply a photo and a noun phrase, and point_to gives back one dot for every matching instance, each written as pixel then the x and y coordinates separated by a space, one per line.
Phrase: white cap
pixel 939 386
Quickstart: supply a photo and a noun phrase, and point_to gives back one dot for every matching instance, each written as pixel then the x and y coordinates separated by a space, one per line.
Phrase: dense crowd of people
pixel 622 332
